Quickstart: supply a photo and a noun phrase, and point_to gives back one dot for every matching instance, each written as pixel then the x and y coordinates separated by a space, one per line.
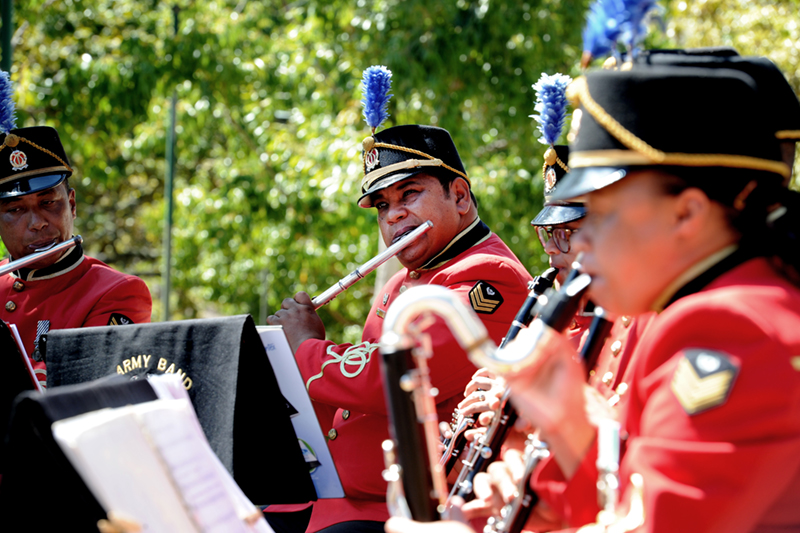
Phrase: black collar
pixel 62 266
pixel 729 262
pixel 477 232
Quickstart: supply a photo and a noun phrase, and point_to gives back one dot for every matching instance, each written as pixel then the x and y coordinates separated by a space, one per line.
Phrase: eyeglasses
pixel 560 237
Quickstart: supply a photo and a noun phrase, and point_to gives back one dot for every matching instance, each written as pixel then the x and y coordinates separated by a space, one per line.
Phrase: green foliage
pixel 269 124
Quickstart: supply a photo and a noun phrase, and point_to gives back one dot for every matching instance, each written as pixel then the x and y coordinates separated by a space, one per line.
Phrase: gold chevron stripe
pixel 479 303
pixel 695 393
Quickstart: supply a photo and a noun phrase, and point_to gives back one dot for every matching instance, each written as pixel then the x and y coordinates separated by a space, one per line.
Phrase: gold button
pixel 622 388
pixel 10 306
pixel 345 414
pixel 332 434
pixel 626 321
pixel 19 286
pixel 403 289
pixel 413 274
pixel 616 347
pixel 608 377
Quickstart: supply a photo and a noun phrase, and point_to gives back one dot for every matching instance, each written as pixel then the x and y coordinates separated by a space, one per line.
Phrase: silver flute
pixel 357 274
pixel 39 255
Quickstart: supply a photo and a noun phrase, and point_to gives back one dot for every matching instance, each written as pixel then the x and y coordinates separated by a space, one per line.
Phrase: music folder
pixel 225 370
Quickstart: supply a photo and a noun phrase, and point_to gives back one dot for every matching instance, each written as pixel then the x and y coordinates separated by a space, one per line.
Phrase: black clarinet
pixel 514 515
pixel 556 313
pixel 537 287
pixel 485 448
pixel 455 444
pixel 596 339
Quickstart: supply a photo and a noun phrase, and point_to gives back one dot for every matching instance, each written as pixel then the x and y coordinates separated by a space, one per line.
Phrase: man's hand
pixel 299 320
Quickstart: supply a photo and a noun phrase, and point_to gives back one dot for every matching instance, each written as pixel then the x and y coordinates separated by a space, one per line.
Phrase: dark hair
pixel 445 178
pixel 764 212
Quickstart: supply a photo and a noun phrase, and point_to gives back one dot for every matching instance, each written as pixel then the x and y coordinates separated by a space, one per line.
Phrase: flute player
pixel 412 173
pixel 37 210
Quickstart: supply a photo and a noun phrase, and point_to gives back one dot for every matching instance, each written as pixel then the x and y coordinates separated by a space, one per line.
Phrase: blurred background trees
pixel 269 123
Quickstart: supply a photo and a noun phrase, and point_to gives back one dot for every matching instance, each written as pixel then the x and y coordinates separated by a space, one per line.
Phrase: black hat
pixel 778 99
pixel 554 169
pixel 31 160
pixel 666 117
pixel 400 152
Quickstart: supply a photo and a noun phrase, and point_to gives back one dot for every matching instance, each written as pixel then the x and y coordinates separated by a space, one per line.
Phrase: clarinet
pixel 596 338
pixel 485 448
pixel 556 313
pixel 455 444
pixel 537 287
pixel 514 515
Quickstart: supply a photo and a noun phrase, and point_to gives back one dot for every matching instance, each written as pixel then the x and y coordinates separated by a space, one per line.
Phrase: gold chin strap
pixel 550 159
pixel 578 94
pixel 429 161
pixel 13 140
pixel 370 178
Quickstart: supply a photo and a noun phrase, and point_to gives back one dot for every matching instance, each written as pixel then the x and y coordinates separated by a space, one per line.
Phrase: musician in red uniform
pixel 711 423
pixel 412 174
pixel 37 210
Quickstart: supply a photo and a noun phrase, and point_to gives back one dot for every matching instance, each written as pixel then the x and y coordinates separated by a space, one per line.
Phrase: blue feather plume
pixel 615 21
pixel 8 117
pixel 375 85
pixel 635 28
pixel 603 27
pixel 551 104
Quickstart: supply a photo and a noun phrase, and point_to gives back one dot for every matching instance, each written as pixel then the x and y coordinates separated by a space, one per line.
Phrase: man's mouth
pixel 42 245
pixel 403 233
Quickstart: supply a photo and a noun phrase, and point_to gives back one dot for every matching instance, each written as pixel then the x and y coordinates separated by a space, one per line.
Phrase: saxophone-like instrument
pixel 409 394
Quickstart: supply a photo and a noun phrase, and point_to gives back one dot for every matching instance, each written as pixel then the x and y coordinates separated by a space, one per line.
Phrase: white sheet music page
pixel 304 419
pixel 13 328
pixel 152 463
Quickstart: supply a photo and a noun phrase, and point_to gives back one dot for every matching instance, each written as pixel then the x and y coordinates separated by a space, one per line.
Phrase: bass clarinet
pixel 409 394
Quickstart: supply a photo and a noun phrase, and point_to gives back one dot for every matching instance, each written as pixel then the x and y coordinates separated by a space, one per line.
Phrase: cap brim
pixel 552 215
pixel 30 185
pixel 581 181
pixel 365 200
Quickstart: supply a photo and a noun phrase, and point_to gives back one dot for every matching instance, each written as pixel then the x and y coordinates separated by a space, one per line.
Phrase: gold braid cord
pixel 578 94
pixel 415 152
pixel 559 162
pixel 45 150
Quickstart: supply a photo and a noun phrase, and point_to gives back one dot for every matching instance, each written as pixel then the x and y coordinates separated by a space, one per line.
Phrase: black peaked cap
pixel 31 160
pixel 412 149
pixel 555 212
pixel 667 117
pixel 777 98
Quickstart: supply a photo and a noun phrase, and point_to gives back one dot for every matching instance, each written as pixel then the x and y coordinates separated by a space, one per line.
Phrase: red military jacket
pixel 346 384
pixel 712 414
pixel 77 291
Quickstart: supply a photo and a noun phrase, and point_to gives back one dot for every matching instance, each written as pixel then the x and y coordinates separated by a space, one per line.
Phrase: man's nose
pixel 36 221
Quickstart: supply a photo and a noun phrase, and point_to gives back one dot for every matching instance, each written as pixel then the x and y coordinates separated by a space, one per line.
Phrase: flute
pixel 39 254
pixel 357 274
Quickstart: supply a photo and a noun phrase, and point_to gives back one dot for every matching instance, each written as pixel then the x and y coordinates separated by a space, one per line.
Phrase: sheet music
pixel 151 462
pixel 306 426
pixel 21 346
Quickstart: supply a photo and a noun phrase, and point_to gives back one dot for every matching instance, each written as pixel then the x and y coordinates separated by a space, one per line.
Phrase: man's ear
pixel 72 205
pixel 459 188
pixel 692 209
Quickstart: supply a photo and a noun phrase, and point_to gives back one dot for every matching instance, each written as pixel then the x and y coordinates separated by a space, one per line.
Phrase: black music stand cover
pixel 230 381
pixel 40 490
